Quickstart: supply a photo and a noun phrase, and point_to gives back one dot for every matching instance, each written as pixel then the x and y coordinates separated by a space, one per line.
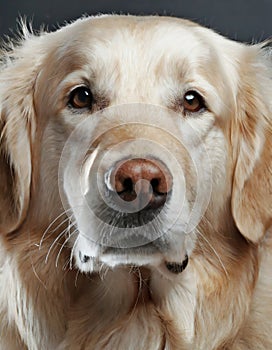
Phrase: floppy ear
pixel 252 183
pixel 17 80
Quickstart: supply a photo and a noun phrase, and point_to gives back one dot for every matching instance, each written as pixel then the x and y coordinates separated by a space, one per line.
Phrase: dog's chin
pixel 168 264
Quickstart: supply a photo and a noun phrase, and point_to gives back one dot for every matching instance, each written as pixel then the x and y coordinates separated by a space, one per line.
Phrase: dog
pixel 135 188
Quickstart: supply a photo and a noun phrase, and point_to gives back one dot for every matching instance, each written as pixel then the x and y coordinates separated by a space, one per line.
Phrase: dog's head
pixel 144 130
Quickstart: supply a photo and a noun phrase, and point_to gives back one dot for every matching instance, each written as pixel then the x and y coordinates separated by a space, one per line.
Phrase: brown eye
pixel 81 97
pixel 193 102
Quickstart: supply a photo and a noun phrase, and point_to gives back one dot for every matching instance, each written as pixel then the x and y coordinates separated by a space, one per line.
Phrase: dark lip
pixel 177 268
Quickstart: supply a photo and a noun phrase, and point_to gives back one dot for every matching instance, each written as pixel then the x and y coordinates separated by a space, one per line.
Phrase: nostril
pixel 127 185
pixel 125 189
pixel 159 193
pixel 155 184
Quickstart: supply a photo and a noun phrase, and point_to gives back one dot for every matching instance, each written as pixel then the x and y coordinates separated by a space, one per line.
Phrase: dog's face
pixel 146 129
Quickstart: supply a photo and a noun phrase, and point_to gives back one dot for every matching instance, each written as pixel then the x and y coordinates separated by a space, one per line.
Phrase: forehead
pixel 136 41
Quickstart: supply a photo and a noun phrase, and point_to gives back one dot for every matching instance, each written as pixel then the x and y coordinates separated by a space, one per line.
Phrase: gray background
pixel 245 20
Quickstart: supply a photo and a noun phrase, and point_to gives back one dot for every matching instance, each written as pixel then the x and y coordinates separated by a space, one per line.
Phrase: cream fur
pixel 137 68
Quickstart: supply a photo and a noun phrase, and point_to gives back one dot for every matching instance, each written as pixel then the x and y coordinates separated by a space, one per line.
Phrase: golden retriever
pixel 135 188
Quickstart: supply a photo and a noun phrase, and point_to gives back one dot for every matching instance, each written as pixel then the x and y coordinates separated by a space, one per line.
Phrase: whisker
pixel 76 277
pixel 63 245
pixel 63 232
pixel 72 253
pixel 65 265
pixel 52 223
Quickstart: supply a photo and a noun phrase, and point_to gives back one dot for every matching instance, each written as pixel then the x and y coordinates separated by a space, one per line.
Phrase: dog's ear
pixel 252 183
pixel 17 80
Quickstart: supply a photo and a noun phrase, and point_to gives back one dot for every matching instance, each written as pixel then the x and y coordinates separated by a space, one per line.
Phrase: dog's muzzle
pixel 131 184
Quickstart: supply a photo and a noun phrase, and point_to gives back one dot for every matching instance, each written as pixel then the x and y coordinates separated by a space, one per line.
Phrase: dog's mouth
pixel 157 255
pixel 174 267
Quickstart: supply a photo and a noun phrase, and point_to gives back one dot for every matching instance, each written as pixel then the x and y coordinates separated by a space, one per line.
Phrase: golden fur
pixel 223 299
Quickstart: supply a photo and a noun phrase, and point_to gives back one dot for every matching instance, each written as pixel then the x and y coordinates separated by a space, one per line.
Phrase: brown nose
pixel 142 180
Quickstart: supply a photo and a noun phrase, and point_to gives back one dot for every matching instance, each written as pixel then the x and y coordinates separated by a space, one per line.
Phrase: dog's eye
pixel 81 97
pixel 193 102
